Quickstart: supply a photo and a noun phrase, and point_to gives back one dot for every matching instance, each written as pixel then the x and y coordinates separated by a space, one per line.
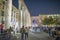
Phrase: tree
pixel 57 21
pixel 48 20
pixel 52 20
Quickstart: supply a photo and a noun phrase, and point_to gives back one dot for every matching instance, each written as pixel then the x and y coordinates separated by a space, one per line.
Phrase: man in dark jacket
pixel 22 31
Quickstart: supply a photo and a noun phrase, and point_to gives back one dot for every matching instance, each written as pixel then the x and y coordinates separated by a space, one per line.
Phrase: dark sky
pixel 37 7
pixel 15 3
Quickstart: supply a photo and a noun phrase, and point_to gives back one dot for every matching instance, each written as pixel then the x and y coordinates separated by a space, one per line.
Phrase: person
pixel 26 33
pixel 22 31
pixel 9 32
pixel 49 31
pixel 1 28
pixel 10 29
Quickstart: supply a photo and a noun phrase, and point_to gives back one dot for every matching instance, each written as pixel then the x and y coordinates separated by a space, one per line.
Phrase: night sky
pixel 37 7
pixel 15 3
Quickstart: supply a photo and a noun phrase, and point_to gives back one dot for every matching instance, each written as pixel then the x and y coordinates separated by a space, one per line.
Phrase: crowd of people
pixel 23 31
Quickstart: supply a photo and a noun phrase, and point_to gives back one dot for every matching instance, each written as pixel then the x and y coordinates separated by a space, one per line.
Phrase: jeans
pixel 22 36
pixel 49 33
pixel 1 31
pixel 26 36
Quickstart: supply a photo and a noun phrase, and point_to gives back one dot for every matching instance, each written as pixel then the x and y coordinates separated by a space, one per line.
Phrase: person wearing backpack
pixel 26 33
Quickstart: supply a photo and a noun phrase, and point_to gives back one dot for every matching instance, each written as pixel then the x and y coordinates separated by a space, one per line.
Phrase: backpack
pixel 26 30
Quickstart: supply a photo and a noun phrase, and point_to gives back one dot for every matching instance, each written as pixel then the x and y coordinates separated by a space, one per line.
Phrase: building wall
pixel 24 14
pixel 15 18
pixel 0 10
pixel 3 12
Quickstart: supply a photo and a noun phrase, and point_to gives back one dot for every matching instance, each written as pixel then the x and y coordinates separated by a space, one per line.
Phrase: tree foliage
pixel 50 20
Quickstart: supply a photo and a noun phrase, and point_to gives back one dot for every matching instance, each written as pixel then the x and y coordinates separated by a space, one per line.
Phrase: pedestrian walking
pixel 22 31
pixel 10 30
pixel 49 31
pixel 1 28
pixel 26 33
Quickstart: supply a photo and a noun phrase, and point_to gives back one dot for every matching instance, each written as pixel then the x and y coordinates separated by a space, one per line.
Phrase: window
pixel 2 14
pixel 3 6
pixel 6 0
pixel 2 21
pixel 3 2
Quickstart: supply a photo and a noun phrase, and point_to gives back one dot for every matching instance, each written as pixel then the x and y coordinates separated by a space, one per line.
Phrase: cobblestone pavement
pixel 32 36
pixel 37 36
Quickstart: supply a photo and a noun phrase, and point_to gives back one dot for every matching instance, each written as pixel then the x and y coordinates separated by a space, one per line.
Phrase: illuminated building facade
pixel 24 14
pixel 3 12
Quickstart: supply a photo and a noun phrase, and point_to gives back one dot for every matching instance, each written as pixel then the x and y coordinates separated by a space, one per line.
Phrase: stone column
pixel 20 13
pixel 9 11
